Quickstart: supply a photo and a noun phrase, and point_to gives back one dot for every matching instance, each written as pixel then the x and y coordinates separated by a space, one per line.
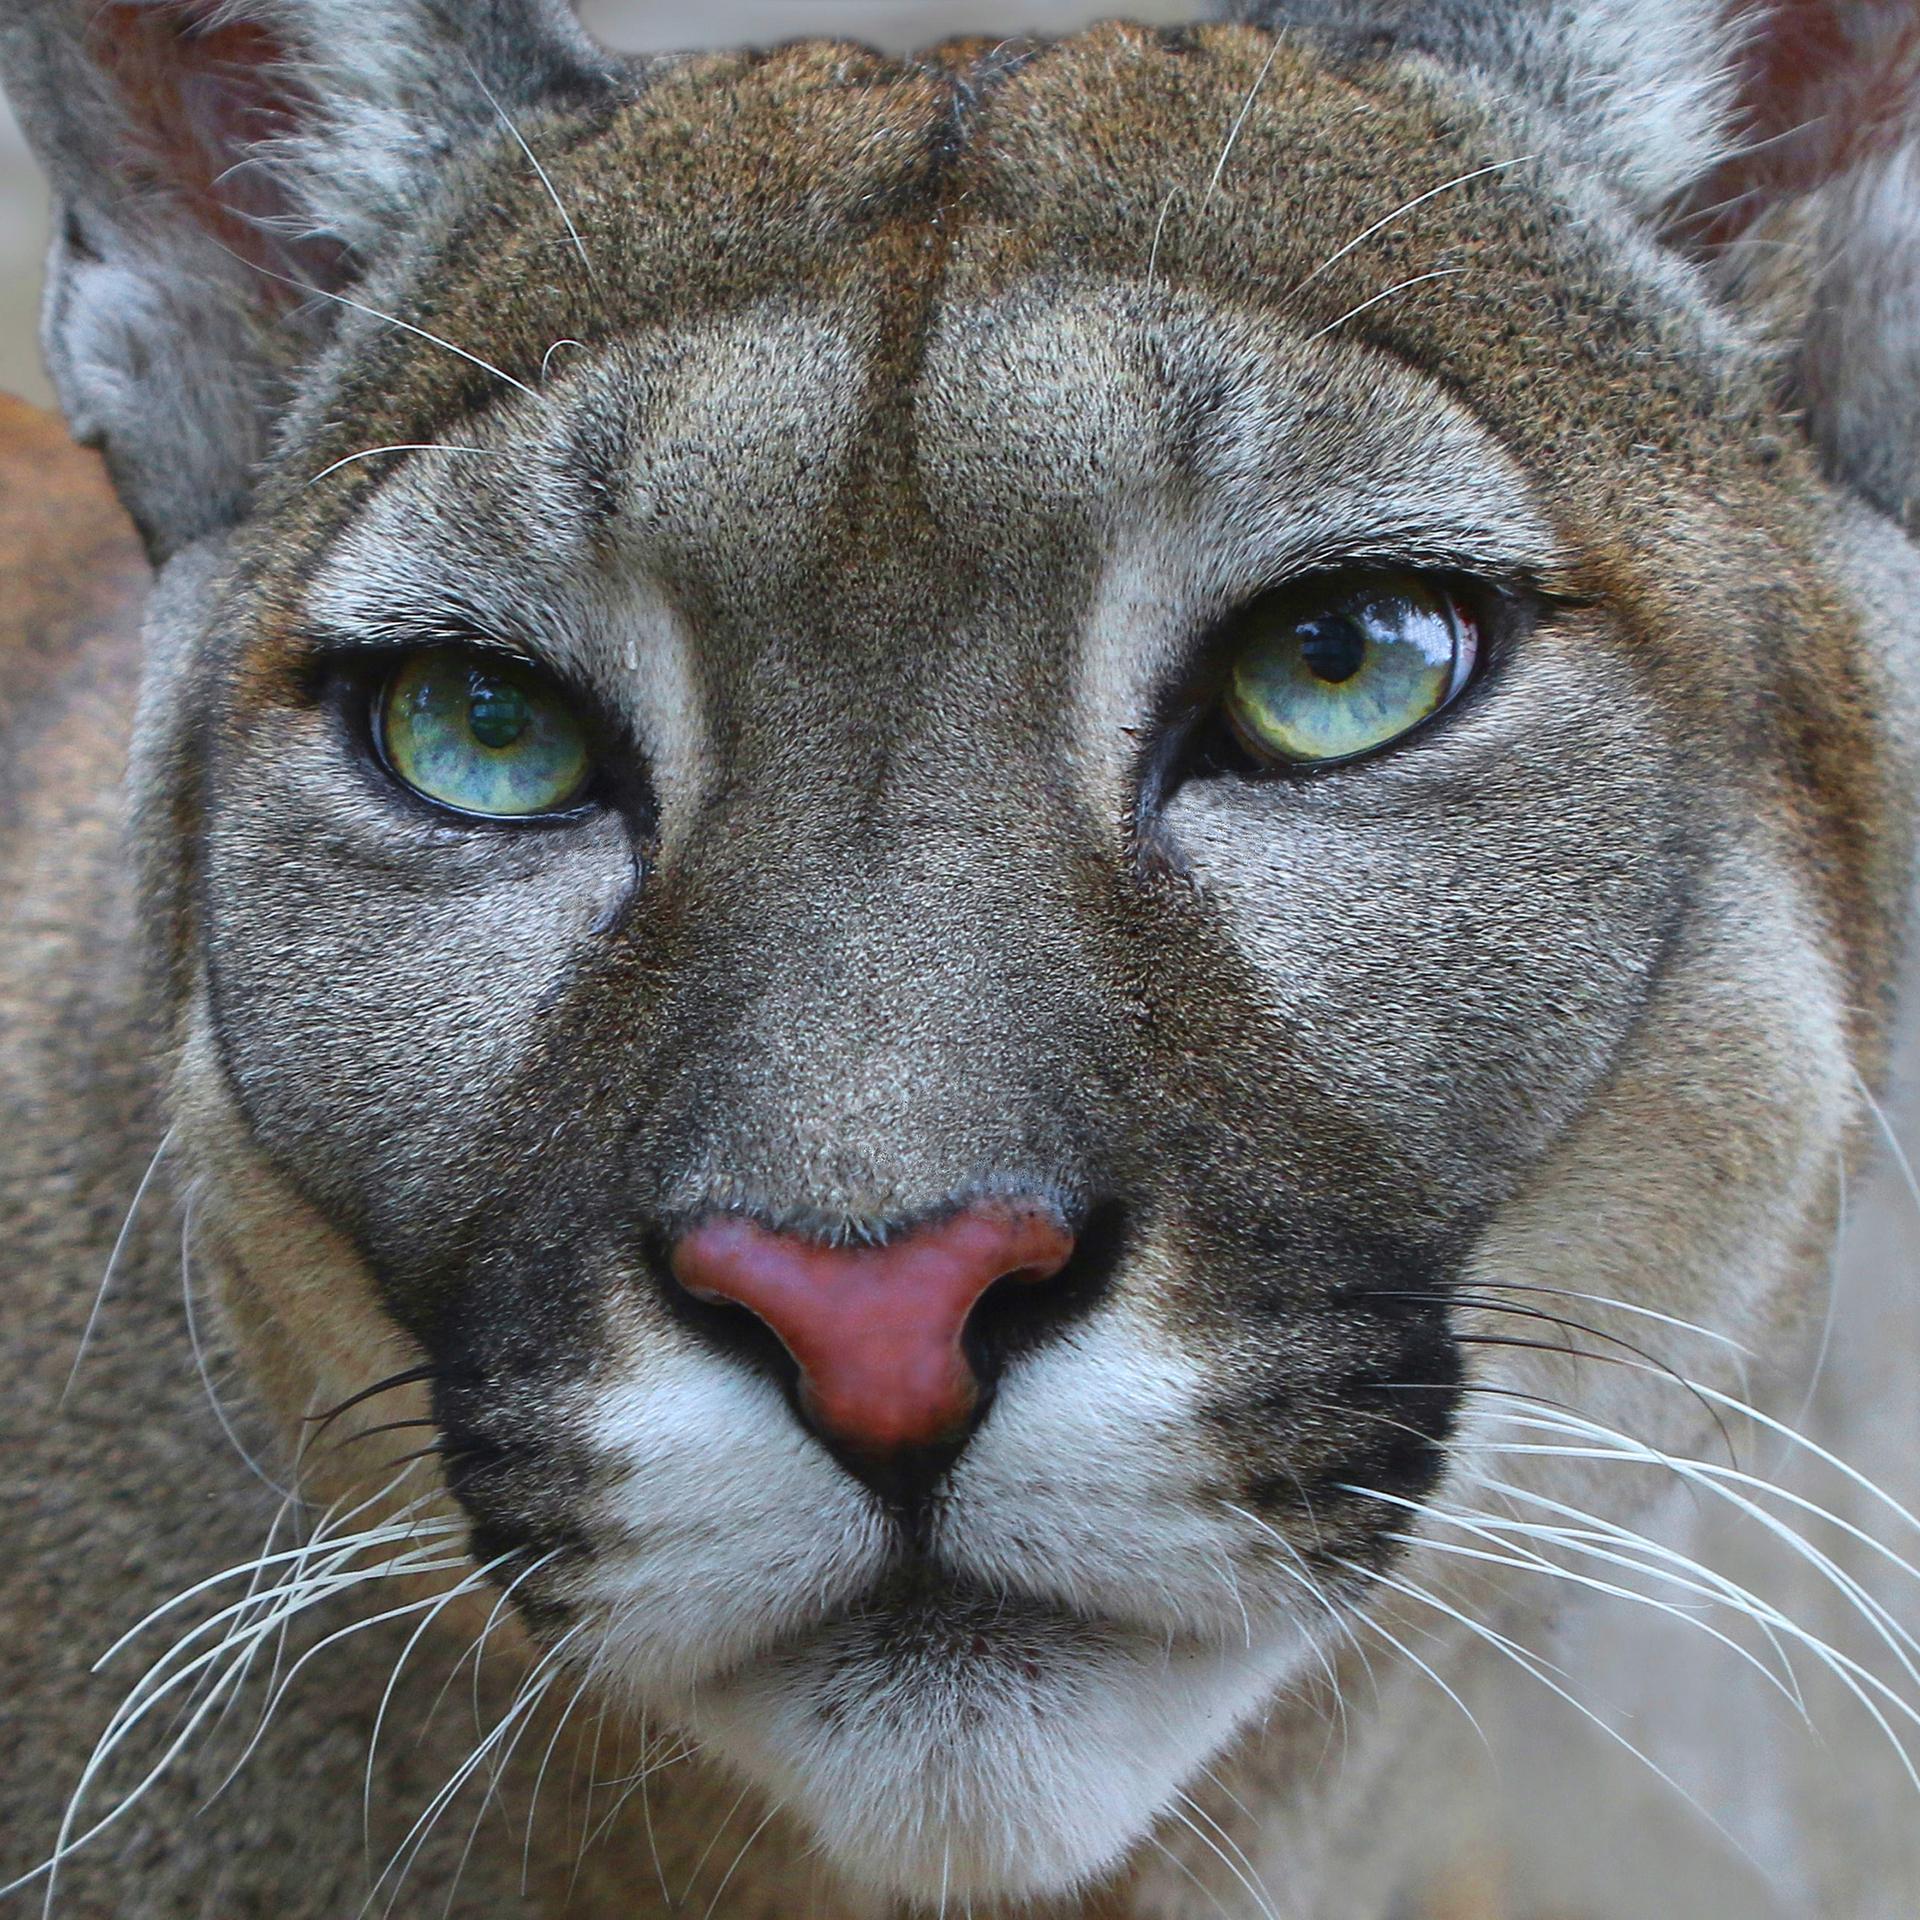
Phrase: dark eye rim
pixel 356 686
pixel 1196 740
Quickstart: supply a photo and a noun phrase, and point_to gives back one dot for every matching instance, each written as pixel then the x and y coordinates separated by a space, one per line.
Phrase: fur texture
pixel 876 454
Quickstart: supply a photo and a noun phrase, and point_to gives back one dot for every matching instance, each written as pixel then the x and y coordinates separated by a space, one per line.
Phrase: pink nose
pixel 876 1330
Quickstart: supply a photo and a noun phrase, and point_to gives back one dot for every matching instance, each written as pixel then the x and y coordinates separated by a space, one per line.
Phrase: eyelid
pixel 365 648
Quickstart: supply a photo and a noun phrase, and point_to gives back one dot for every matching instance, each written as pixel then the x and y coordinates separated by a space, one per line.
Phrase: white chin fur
pixel 980 1751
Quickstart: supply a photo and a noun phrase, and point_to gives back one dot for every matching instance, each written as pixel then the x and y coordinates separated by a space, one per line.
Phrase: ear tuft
pixel 208 95
pixel 1636 92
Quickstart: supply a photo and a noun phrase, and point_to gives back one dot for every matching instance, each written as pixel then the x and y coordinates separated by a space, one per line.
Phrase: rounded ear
pixel 220 167
pixel 1812 223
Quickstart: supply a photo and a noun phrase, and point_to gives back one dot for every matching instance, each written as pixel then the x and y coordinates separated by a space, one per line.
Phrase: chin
pixel 974 1748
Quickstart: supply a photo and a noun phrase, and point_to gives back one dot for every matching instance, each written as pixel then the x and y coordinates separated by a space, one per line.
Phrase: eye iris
pixel 481 738
pixel 498 713
pixel 1333 670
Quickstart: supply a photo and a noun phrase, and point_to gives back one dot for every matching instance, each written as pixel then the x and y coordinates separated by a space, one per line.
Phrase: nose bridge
pixel 909 999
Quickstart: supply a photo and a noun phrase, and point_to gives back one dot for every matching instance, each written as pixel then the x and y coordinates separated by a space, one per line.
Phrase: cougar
pixel 1000 944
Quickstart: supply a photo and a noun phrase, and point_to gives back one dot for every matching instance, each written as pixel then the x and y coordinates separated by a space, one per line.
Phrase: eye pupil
pixel 1334 649
pixel 498 713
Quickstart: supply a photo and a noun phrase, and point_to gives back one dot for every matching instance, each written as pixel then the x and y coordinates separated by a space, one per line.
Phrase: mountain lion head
pixel 936 847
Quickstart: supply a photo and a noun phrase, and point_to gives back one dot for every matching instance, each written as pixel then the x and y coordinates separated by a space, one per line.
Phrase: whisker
pixel 402 446
pixel 393 320
pixel 726 1820
pixel 745 1847
pixel 532 1691
pixel 150 1692
pixel 1849 1672
pixel 1502 1533
pixel 1622 1306
pixel 1387 293
pixel 1261 1900
pixel 393 1681
pixel 1180 1866
pixel 587 1679
pixel 199 1352
pixel 1571 1325
pixel 1540 1669
pixel 533 160
pixel 1419 200
pixel 406 1377
pixel 113 1262
pixel 1240 122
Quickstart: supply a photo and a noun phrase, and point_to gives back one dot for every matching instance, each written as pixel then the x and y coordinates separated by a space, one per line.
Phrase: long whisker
pixel 1419 200
pixel 402 446
pixel 1262 1901
pixel 1180 1866
pixel 153 1690
pixel 393 1681
pixel 1509 1535
pixel 1240 123
pixel 1611 1445
pixel 1539 1669
pixel 1570 1325
pixel 746 1846
pixel 199 1352
pixel 533 160
pixel 1856 1678
pixel 113 1261
pixel 406 1377
pixel 393 320
pixel 532 1691
pixel 1386 293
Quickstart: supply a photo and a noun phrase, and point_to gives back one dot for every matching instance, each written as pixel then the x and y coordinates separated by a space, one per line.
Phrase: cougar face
pixel 940 1195
pixel 911 889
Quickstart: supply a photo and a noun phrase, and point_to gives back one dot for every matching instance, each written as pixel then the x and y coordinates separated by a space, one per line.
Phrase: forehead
pixel 1359 202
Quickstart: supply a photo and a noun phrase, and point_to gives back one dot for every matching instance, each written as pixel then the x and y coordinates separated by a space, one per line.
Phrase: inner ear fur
pixel 1811 223
pixel 220 167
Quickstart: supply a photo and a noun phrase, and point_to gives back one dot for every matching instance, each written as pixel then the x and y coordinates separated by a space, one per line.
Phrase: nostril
pixel 879 1335
pixel 1015 1316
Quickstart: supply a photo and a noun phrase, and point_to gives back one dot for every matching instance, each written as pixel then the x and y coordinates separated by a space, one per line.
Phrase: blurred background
pixel 640 25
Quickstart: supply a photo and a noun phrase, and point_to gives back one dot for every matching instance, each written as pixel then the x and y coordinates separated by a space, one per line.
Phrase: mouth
pixel 938 1735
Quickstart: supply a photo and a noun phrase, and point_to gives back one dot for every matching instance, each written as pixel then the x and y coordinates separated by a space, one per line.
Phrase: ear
pixel 1812 224
pixel 219 168
pixel 1637 91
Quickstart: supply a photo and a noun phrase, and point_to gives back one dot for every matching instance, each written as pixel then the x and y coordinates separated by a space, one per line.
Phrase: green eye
pixel 1332 670
pixel 481 735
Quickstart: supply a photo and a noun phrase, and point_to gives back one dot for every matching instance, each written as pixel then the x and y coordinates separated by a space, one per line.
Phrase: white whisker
pixel 199 1352
pixel 1541 1670
pixel 113 1262
pixel 533 160
pixel 1399 286
pixel 1419 200
pixel 402 446
pixel 1240 122
pixel 1257 1894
